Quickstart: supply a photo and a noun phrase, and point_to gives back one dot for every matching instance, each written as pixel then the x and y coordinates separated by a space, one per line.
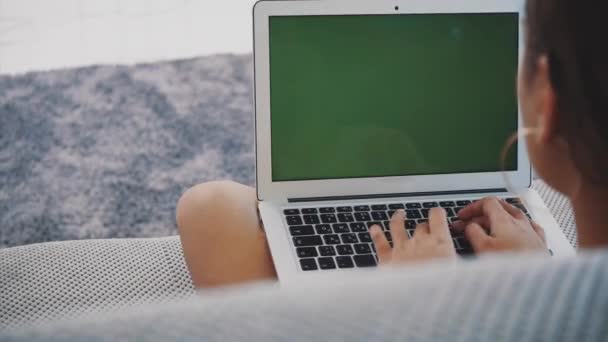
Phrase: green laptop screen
pixel 392 95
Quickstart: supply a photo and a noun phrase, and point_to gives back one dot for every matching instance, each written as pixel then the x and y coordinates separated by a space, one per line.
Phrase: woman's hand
pixel 493 225
pixel 430 241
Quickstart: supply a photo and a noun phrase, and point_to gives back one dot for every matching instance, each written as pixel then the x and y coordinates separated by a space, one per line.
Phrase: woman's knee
pixel 212 200
pixel 221 235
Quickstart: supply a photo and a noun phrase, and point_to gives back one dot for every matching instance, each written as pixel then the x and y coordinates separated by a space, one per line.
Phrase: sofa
pixel 43 283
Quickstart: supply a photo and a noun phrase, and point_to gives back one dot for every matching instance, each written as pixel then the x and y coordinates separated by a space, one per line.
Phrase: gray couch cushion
pixel 46 282
pixel 508 298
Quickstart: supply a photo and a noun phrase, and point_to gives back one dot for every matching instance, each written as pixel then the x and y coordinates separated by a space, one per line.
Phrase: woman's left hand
pixel 430 241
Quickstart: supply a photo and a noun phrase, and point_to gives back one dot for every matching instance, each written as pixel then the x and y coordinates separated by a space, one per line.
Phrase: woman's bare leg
pixel 222 235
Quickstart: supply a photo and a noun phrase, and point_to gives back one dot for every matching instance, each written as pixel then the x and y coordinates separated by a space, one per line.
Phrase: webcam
pixel 396 8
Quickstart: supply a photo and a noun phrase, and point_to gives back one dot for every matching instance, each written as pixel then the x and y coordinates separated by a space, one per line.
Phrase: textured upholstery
pixel 45 282
pixel 560 208
pixel 510 298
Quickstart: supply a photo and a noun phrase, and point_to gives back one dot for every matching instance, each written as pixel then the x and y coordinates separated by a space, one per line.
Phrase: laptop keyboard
pixel 329 238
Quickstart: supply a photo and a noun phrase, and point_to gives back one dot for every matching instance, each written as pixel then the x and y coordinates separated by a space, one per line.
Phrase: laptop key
pixel 345 250
pixel 371 224
pixel 466 245
pixel 447 204
pixel 365 260
pixel 422 221
pixel 413 205
pixel 306 252
pixel 363 217
pixel 346 217
pixel 513 200
pixel 341 228
pixel 309 211
pixel 449 212
pixel 456 244
pixel 389 237
pixel 413 214
pixel 462 242
pixel 345 262
pixel 301 230
pixel 327 250
pixel 410 224
pixel 463 203
pixel 311 219
pixel 332 239
pixel 349 238
pixel 294 220
pixel 362 208
pixel 323 229
pixel 291 212
pixel 457 234
pixel 379 207
pixel 429 205
pixel 357 227
pixel 425 213
pixel 465 252
pixel 308 264
pixel 365 237
pixel 379 216
pixel 307 241
pixel 387 225
pixel 363 248
pixel 327 210
pixel 521 207
pixel 327 263
pixel 345 209
pixel 396 206
pixel 328 218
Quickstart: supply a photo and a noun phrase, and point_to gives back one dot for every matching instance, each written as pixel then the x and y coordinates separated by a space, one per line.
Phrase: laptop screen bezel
pixel 267 189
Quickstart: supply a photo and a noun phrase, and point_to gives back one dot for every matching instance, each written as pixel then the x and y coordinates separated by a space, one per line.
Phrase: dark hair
pixel 572 35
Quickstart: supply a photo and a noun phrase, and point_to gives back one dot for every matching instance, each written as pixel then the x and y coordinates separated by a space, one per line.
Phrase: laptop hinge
pixel 411 194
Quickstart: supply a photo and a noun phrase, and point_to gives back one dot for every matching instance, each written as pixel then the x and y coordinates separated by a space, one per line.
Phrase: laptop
pixel 366 107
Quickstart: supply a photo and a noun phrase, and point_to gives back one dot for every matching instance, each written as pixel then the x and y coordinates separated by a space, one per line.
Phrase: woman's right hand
pixel 493 225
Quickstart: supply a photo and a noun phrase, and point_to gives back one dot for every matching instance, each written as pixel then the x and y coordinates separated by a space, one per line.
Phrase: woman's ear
pixel 545 103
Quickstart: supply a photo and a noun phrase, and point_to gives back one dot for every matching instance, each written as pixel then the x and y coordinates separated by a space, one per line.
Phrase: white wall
pixel 48 34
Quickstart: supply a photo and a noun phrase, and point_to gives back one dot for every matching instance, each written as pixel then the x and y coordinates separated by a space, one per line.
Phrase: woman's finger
pixel 397 226
pixel 477 236
pixel 489 207
pixel 539 230
pixel 459 226
pixel 383 248
pixel 438 223
pixel 512 210
pixel 422 229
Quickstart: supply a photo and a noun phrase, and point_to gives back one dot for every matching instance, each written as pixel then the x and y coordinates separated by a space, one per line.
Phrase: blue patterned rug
pixel 106 151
